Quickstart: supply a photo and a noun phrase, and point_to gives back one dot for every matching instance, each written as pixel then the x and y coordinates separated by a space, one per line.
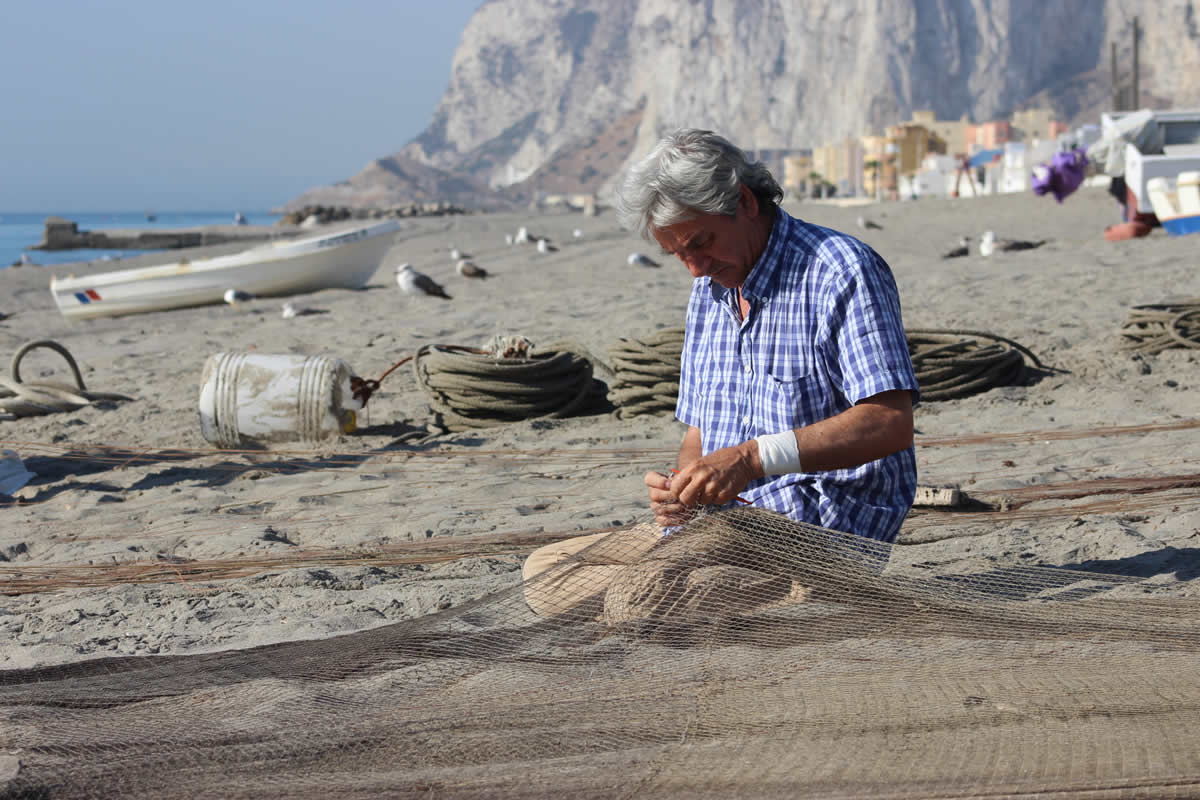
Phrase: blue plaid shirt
pixel 824 332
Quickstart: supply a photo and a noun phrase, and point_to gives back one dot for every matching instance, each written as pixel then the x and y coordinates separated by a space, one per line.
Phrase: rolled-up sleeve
pixel 865 345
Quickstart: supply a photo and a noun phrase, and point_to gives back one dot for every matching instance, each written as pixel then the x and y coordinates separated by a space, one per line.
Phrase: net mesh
pixel 745 655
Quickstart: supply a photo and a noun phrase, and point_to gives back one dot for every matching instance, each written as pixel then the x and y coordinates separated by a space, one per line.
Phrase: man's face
pixel 715 245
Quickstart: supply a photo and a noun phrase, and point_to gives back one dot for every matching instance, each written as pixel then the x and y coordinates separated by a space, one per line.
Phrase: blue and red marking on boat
pixel 88 296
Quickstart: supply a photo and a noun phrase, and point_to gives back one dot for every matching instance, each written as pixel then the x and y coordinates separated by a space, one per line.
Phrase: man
pixel 796 383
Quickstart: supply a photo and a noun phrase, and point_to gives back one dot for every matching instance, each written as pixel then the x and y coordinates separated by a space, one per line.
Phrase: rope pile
pixel 1156 327
pixel 951 363
pixel 646 373
pixel 470 388
pixel 18 399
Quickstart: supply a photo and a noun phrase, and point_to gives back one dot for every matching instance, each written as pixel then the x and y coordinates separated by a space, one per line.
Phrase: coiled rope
pixel 468 388
pixel 18 399
pixel 950 364
pixel 646 373
pixel 1156 327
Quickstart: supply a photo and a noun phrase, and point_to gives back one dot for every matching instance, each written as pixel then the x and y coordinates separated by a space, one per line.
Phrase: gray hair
pixel 689 172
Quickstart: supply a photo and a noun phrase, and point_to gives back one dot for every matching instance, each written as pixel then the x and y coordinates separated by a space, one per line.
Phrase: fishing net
pixel 745 655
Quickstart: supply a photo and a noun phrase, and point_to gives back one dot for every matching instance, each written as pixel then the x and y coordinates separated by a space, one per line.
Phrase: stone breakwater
pixel 313 214
pixel 63 234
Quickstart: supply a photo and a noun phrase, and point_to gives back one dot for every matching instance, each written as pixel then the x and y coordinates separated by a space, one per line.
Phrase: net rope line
pixel 118 453
pixel 921 527
pixel 746 655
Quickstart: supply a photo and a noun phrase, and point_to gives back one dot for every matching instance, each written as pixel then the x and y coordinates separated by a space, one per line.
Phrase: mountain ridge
pixel 556 96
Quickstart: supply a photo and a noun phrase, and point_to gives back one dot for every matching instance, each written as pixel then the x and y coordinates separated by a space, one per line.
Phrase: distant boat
pixel 1178 207
pixel 239 218
pixel 339 259
pixel 150 217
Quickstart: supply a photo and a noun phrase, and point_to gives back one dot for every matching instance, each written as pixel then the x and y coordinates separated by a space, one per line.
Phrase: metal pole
pixel 1137 100
pixel 1116 84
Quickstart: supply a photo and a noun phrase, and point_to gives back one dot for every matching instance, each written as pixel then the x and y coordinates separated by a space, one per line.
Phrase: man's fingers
pixel 662 496
pixel 657 480
pixel 689 486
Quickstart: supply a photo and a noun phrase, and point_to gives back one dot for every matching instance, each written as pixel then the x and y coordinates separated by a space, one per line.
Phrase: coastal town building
pixel 925 154
pixel 952 132
pixel 988 135
pixel 1037 124
pixel 840 165
pixel 796 170
pixel 874 157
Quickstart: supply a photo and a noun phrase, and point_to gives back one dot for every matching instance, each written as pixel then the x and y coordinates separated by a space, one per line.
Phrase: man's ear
pixel 747 202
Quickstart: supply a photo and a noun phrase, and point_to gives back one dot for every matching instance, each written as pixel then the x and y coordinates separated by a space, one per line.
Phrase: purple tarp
pixel 1062 175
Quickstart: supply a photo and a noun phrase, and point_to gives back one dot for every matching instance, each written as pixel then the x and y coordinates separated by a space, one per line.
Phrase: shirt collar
pixel 761 279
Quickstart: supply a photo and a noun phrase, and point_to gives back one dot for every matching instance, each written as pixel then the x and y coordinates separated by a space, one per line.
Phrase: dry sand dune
pixel 123 547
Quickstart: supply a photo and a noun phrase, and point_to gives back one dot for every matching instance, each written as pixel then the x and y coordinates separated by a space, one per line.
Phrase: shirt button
pixel 746 420
pixel 749 369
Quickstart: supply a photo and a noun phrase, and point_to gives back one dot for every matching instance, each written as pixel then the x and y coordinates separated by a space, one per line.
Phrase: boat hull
pixel 341 260
pixel 1181 226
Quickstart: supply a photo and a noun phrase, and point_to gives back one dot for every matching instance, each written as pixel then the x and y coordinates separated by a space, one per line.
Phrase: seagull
pixel 990 244
pixel 578 234
pixel 987 244
pixel 867 224
pixel 508 239
pixel 1009 245
pixel 468 269
pixel 522 236
pixel 235 296
pixel 544 246
pixel 413 282
pixel 963 249
pixel 290 310
pixel 641 260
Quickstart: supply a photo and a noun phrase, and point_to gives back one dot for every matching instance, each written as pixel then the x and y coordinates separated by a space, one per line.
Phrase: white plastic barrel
pixel 1188 190
pixel 1162 198
pixel 249 400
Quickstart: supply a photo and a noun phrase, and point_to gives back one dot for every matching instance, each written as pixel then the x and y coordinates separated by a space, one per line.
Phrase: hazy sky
pixel 211 104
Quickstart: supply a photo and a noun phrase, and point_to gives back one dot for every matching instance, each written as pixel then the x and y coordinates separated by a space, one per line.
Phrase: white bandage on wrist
pixel 779 453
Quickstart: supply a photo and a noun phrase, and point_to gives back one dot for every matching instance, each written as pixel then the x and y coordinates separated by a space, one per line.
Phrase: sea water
pixel 19 231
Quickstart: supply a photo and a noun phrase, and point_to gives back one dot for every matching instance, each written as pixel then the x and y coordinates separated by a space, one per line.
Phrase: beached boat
pixel 345 258
pixel 1176 202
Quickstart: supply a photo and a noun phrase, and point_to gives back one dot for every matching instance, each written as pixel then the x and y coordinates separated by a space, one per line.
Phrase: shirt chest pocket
pixel 790 396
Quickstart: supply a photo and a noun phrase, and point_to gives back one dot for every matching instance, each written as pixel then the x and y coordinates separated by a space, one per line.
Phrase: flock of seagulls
pixel 989 244
pixel 237 298
pixel 413 282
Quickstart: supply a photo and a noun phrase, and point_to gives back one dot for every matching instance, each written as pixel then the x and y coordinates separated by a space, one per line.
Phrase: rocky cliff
pixel 556 95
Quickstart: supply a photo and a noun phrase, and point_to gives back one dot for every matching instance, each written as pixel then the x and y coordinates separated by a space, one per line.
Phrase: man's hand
pixel 719 476
pixel 668 511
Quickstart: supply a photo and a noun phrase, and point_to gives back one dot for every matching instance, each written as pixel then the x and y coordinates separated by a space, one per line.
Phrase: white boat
pixel 1177 202
pixel 345 259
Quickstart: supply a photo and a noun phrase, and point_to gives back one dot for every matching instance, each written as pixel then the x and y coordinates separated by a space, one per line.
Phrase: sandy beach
pixel 136 537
